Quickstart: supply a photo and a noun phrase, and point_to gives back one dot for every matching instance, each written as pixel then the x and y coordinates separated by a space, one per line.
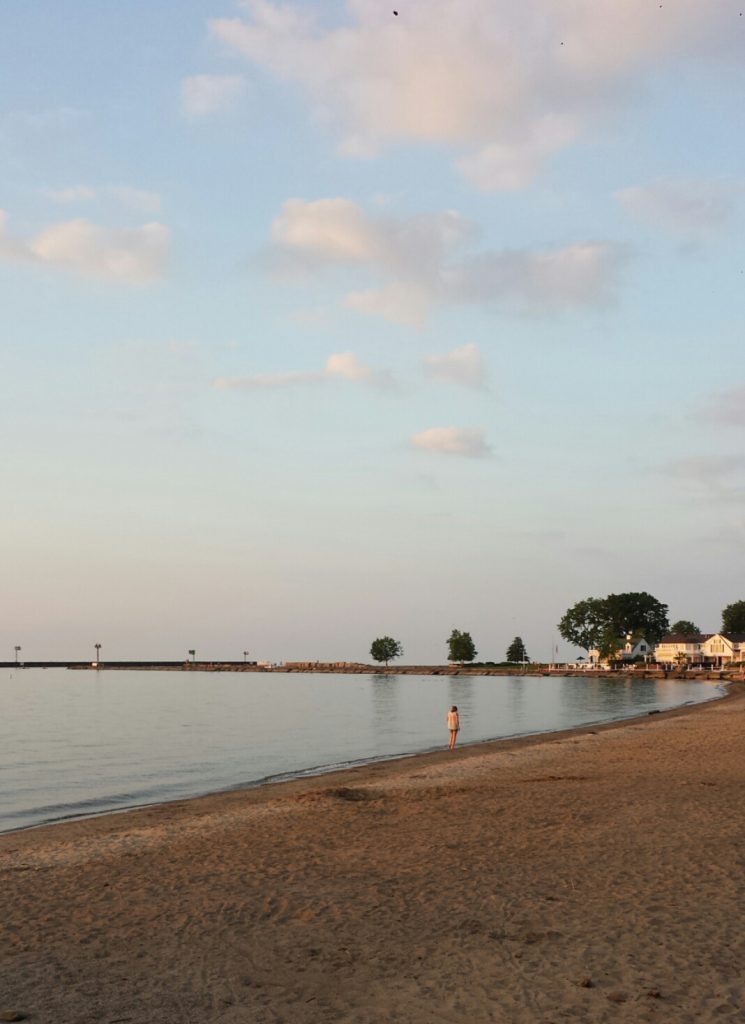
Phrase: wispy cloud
pixel 340 366
pixel 689 209
pixel 468 442
pixel 463 366
pixel 727 407
pixel 718 478
pixel 505 85
pixel 136 200
pixel 429 259
pixel 202 95
pixel 134 255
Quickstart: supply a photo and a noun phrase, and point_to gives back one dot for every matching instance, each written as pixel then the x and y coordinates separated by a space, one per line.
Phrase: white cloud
pixel 134 255
pixel 70 194
pixel 513 162
pixel 340 366
pixel 687 208
pixel 135 199
pixel 406 304
pixel 705 469
pixel 506 84
pixel 469 442
pixel 719 478
pixel 463 365
pixel 424 260
pixel 202 95
pixel 727 407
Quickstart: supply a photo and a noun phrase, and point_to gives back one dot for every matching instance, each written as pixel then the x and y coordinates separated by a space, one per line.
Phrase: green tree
pixel 609 644
pixel 637 614
pixel 606 622
pixel 583 623
pixel 685 627
pixel 385 648
pixel 733 618
pixel 461 647
pixel 516 651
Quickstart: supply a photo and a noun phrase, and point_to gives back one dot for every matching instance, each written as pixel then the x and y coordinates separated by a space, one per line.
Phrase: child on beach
pixel 453 725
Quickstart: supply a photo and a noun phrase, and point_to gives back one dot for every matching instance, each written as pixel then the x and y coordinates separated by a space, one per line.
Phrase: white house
pixel 713 649
pixel 679 648
pixel 724 648
pixel 632 649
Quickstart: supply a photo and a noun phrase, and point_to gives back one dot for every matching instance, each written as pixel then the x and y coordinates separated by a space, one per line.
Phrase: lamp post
pixel 193 654
pixel 98 653
pixel 245 655
pixel 17 648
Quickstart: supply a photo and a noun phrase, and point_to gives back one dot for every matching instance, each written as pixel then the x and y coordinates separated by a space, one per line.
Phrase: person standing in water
pixel 453 725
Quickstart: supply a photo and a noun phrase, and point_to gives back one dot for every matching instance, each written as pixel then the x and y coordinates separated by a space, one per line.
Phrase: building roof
pixel 737 638
pixel 686 638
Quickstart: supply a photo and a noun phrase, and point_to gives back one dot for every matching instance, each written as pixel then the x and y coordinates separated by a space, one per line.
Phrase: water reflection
pixel 384 692
pixel 461 694
pixel 80 742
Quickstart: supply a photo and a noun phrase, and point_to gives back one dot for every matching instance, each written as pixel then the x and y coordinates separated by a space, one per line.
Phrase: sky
pixel 322 322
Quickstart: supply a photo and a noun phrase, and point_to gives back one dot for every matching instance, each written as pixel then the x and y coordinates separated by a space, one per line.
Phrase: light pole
pixel 98 653
pixel 17 648
pixel 245 655
pixel 193 654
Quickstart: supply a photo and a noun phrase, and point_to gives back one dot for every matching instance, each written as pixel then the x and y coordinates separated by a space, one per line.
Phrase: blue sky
pixel 321 323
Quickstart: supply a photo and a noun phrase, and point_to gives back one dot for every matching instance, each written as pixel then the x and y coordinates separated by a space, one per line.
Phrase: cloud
pixel 134 255
pixel 719 478
pixel 505 85
pixel 135 199
pixel 428 259
pixel 468 442
pixel 686 208
pixel 727 407
pixel 340 366
pixel 705 469
pixel 461 366
pixel 202 95
pixel 70 194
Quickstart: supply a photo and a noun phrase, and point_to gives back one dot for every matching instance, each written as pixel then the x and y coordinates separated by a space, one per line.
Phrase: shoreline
pixel 593 874
pixel 330 772
pixel 708 674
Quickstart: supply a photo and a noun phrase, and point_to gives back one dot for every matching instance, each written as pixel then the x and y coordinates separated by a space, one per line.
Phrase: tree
pixel 637 614
pixel 583 624
pixel 516 651
pixel 605 623
pixel 385 648
pixel 733 618
pixel 461 647
pixel 685 627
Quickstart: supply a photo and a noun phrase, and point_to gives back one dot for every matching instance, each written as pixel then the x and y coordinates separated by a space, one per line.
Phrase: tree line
pixel 604 624
pixel 461 648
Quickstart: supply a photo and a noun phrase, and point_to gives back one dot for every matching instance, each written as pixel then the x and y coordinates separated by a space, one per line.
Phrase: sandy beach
pixel 597 875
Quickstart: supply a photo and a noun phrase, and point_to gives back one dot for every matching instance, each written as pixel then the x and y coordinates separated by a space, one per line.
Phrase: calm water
pixel 78 743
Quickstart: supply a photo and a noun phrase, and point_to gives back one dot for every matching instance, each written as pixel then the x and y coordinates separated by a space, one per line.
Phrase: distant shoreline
pixel 354 668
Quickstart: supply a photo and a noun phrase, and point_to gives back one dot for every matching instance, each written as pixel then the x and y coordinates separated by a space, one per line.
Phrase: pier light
pixel 245 655
pixel 17 649
pixel 98 652
pixel 193 654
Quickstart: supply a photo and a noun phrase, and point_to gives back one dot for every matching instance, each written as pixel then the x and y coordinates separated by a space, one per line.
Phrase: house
pixel 630 651
pixel 723 649
pixel 706 649
pixel 681 648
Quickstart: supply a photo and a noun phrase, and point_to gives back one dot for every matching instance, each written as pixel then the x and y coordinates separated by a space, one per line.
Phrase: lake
pixel 73 744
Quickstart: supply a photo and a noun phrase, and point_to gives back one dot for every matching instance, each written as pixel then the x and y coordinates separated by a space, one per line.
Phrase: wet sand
pixel 592 876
